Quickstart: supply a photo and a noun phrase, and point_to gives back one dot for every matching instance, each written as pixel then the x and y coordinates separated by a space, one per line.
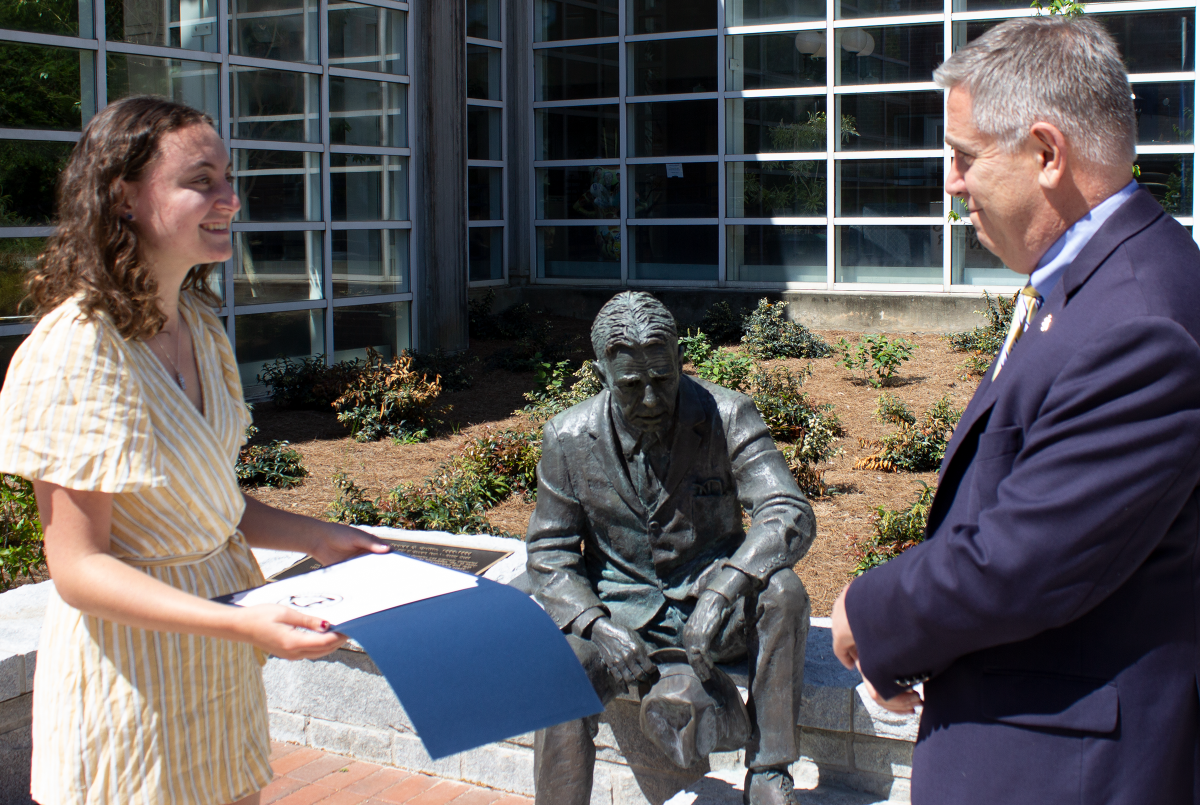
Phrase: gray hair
pixel 632 319
pixel 1060 70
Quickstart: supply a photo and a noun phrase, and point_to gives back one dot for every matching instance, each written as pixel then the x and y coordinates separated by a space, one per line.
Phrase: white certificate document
pixel 359 586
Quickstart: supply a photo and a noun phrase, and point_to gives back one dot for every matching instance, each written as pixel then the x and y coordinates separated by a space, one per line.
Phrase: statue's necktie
pixel 650 465
pixel 1026 307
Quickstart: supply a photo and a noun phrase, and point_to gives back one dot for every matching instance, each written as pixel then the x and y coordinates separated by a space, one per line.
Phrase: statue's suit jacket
pixel 1055 603
pixel 592 543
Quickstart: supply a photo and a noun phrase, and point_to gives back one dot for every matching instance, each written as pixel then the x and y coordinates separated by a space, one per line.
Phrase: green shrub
pixel 716 365
pixel 308 382
pixel 895 532
pixel 558 388
pixel 987 338
pixel 514 323
pixel 275 464
pixel 452 369
pixel 722 324
pixel 808 429
pixel 894 411
pixel 915 445
pixel 21 548
pixel 768 334
pixel 877 357
pixel 390 399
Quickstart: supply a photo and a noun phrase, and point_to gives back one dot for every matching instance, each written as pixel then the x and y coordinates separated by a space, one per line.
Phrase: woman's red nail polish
pixel 325 625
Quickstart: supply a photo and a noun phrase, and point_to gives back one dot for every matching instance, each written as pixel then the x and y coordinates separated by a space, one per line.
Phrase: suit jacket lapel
pixel 606 455
pixel 688 421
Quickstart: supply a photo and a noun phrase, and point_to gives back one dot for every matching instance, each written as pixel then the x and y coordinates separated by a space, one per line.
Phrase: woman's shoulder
pixel 69 330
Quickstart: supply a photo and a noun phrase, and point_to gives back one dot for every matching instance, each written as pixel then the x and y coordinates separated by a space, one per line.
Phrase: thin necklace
pixel 178 375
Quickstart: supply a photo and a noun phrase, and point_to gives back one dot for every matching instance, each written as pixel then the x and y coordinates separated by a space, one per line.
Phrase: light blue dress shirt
pixel 1050 268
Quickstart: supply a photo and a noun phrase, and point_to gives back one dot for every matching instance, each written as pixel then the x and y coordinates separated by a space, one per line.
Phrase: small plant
pixel 720 366
pixel 452 369
pixel 768 334
pixel 722 325
pixel 21 548
pixel 987 338
pixel 308 382
pixel 390 400
pixel 559 388
pixel 276 464
pixel 915 445
pixel 892 410
pixel 877 357
pixel 352 505
pixel 809 429
pixel 895 532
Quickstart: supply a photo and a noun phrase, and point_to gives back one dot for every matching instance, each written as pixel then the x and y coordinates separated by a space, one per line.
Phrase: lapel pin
pixel 1046 322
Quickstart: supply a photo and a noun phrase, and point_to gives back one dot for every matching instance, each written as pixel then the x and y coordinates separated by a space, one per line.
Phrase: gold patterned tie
pixel 1026 307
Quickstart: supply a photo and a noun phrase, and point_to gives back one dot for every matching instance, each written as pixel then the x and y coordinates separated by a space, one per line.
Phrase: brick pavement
pixel 305 776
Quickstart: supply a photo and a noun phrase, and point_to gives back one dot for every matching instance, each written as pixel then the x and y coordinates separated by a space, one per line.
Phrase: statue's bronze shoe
pixel 769 787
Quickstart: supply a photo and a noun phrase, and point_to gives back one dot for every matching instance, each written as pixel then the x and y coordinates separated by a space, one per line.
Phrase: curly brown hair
pixel 94 250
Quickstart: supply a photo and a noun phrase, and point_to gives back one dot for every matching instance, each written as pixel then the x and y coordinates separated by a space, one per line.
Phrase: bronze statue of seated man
pixel 637 545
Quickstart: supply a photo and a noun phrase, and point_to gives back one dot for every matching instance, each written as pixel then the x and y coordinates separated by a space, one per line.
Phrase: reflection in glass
pixel 659 16
pixel 277 185
pixel 28 177
pixel 46 88
pixel 674 190
pixel 766 12
pixel 776 253
pixel 276 267
pixel 274 29
pixel 851 9
pixel 483 19
pixel 681 253
pixel 189 82
pixel 483 72
pixel 1164 112
pixel 888 55
pixel 774 125
pixel 579 252
pixel 385 328
pixel 484 133
pixel 263 338
pixel 673 66
pixel 574 19
pixel 1168 177
pixel 585 192
pixel 485 253
pixel 274 105
pixel 890 188
pixel 367 38
pixel 18 256
pixel 367 112
pixel 485 194
pixel 892 120
pixel 770 61
pixel 368 187
pixel 8 345
pixel 63 17
pixel 972 264
pixel 367 262
pixel 588 71
pixel 675 128
pixel 794 189
pixel 890 254
pixel 578 132
pixel 167 23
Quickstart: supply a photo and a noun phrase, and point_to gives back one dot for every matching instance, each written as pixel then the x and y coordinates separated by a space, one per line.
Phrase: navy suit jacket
pixel 1054 605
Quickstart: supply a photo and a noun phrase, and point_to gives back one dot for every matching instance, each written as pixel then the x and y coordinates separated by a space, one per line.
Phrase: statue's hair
pixel 631 319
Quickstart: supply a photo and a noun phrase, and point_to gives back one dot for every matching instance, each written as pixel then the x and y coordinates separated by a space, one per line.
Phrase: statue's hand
pixel 701 630
pixel 623 652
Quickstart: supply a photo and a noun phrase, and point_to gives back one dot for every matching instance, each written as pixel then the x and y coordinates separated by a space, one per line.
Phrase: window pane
pixel 64 17
pixel 888 55
pixel 274 29
pixel 674 253
pixel 384 328
pixel 485 194
pixel 769 61
pixel 28 177
pixel 673 66
pixel 1164 112
pixel 483 19
pixel 276 267
pixel 46 88
pixel 764 12
pixel 167 23
pixel 773 125
pixel 676 190
pixel 367 38
pixel 589 71
pixel 850 9
pixel 972 264
pixel 278 185
pixel 776 253
pixel 274 105
pixel 586 192
pixel 575 19
pixel 367 112
pixel 579 252
pixel 483 133
pixel 578 132
pixel 677 128
pixel 892 120
pixel 8 345
pixel 367 262
pixel 18 256
pixel 265 337
pixel 890 188
pixel 776 189
pixel 485 253
pixel 657 16
pixel 890 254
pixel 483 72
pixel 368 187
pixel 190 82
pixel 1168 177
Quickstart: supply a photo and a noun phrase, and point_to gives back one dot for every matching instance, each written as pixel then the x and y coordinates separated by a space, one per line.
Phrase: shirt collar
pixel 1050 268
pixel 632 441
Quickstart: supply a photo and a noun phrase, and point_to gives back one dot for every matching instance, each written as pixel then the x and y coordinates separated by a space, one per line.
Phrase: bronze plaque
pixel 475 561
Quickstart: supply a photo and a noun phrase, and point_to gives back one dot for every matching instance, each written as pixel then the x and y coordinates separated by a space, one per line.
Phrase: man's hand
pixel 903 704
pixel 846 650
pixel 701 630
pixel 623 652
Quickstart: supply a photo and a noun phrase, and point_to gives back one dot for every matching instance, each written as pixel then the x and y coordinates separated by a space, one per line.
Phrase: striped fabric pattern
pixel 126 715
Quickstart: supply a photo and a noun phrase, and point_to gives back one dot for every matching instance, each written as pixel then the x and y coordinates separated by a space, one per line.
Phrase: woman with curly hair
pixel 124 407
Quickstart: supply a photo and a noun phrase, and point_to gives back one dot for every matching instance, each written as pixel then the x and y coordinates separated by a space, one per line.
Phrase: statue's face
pixel 644 382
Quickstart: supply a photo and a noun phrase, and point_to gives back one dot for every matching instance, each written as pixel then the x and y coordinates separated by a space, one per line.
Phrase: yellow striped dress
pixel 125 715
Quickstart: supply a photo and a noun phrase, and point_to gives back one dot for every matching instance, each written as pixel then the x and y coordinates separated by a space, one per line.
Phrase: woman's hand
pixel 328 543
pixel 287 633
pixel 335 542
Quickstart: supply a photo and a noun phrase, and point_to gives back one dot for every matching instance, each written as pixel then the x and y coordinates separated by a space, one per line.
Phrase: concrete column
pixel 518 39
pixel 439 164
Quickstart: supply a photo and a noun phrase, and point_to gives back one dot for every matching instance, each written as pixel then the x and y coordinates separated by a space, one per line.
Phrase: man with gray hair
pixel 1052 611
pixel 637 550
